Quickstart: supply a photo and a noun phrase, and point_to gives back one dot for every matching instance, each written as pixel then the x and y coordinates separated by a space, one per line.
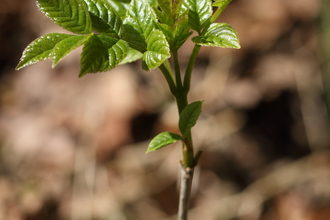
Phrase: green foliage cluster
pixel 115 32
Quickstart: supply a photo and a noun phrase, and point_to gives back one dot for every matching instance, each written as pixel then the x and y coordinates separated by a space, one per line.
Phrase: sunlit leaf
pixel 218 35
pixel 71 15
pixel 163 139
pixel 104 18
pixel 120 7
pixel 64 47
pixel 157 50
pixel 139 24
pixel 132 55
pixel 40 49
pixel 199 12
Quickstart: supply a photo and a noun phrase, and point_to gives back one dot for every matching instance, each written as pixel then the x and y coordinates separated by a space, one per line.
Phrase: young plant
pixel 115 32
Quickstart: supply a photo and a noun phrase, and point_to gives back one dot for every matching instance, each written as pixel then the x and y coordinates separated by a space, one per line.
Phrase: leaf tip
pixel 81 74
pixel 18 67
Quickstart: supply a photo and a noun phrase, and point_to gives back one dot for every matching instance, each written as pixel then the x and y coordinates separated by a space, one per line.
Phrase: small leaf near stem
pixel 163 139
pixel 189 117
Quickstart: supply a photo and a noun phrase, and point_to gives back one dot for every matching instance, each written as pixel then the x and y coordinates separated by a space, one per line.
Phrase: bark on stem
pixel 185 189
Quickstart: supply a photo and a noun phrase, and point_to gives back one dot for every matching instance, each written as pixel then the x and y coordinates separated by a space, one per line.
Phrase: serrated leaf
pixel 157 51
pixel 71 15
pixel 163 139
pixel 104 18
pixel 40 49
pixel 64 47
pixel 199 12
pixel 101 53
pixel 132 55
pixel 218 35
pixel 138 24
pixel 189 117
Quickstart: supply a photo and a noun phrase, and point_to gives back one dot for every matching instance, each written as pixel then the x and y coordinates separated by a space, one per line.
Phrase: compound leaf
pixel 71 15
pixel 40 49
pixel 218 35
pixel 189 117
pixel 163 139
pixel 104 18
pixel 199 12
pixel 64 47
pixel 101 53
pixel 157 50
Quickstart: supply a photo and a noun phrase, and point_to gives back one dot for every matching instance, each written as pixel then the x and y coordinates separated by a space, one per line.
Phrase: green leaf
pixel 199 12
pixel 71 15
pixel 153 3
pixel 132 55
pixel 120 7
pixel 182 31
pixel 189 117
pixel 163 139
pixel 40 49
pixel 221 4
pixel 165 14
pixel 64 47
pixel 178 33
pixel 102 53
pixel 218 35
pixel 139 24
pixel 157 51
pixel 166 6
pixel 104 18
pixel 177 5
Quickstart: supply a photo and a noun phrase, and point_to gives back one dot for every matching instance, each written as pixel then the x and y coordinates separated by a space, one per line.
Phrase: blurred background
pixel 74 149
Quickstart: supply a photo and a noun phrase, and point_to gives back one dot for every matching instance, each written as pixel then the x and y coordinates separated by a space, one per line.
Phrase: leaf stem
pixel 177 70
pixel 191 63
pixel 169 78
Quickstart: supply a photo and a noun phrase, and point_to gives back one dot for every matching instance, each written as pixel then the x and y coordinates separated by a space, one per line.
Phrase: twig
pixel 185 189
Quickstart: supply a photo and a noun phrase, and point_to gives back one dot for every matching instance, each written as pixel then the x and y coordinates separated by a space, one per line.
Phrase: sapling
pixel 115 32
